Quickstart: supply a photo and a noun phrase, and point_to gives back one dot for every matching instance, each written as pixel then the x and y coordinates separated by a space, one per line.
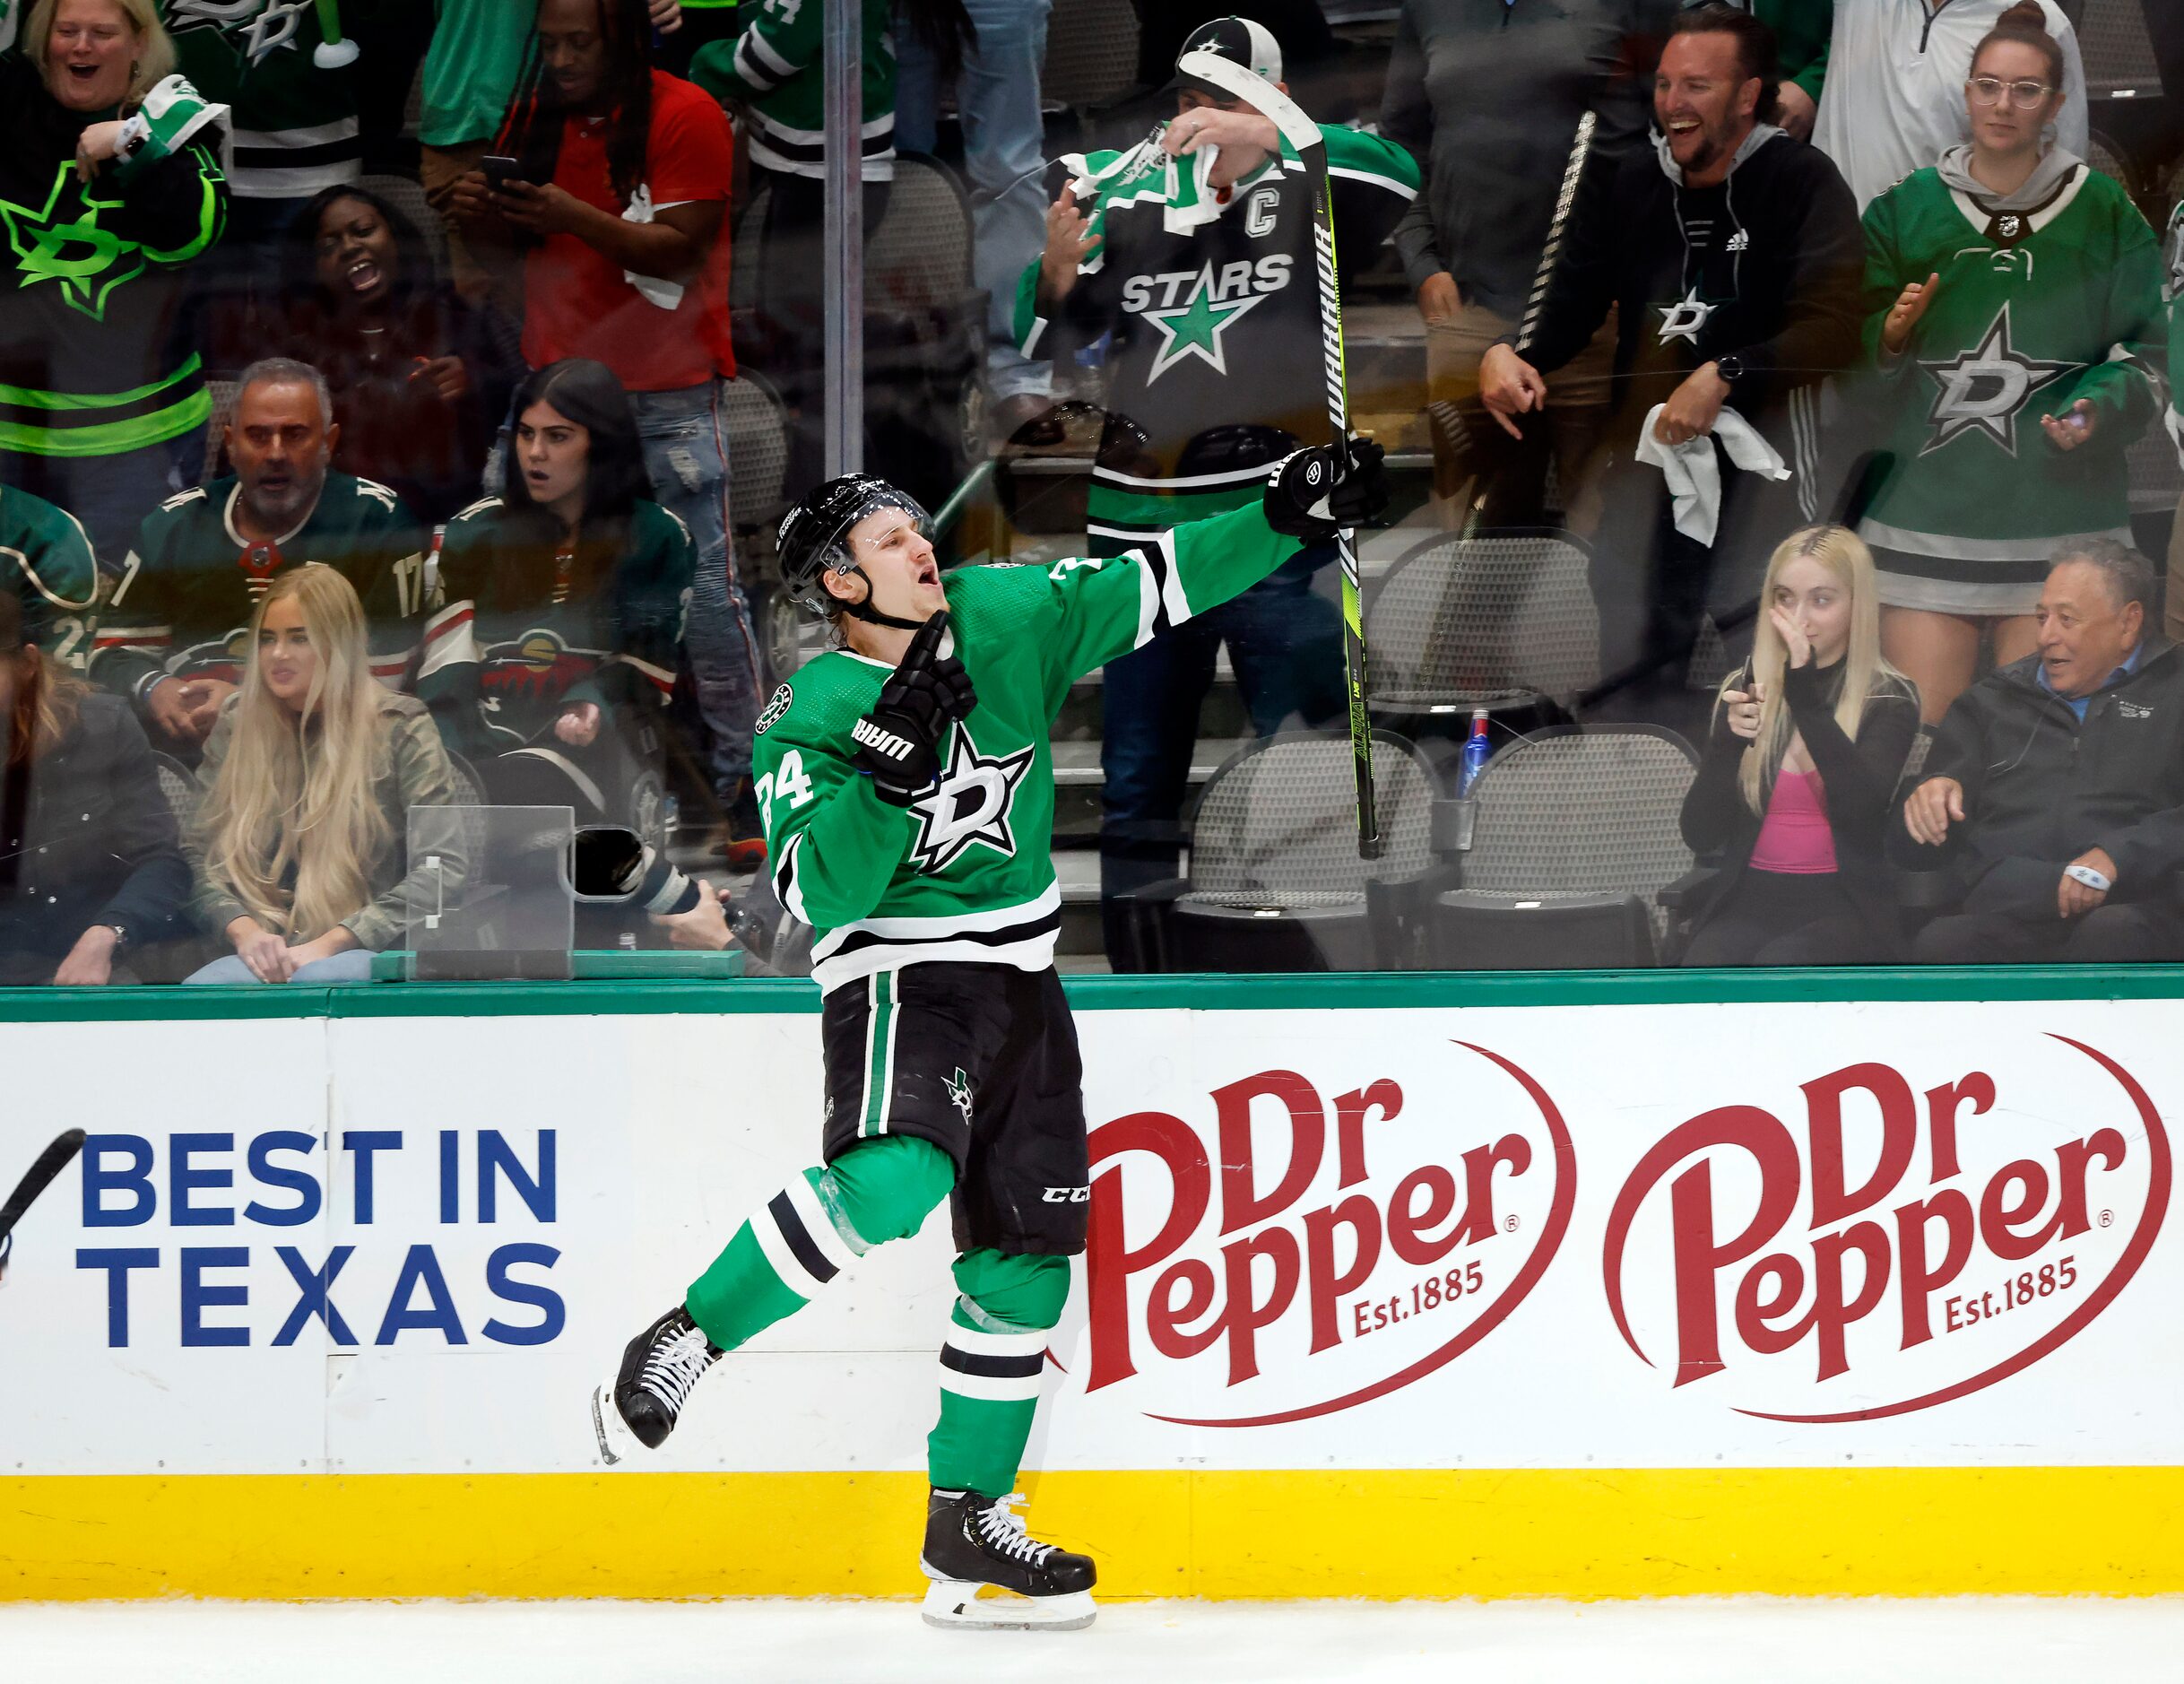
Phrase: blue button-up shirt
pixel 2078 704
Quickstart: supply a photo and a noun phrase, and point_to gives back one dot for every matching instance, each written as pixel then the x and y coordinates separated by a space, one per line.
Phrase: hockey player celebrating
pixel 907 789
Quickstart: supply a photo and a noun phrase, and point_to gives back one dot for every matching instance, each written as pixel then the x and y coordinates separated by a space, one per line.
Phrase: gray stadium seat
pixel 223 394
pixel 1091 55
pixel 1495 623
pixel 2117 52
pixel 1573 833
pixel 919 257
pixel 1275 882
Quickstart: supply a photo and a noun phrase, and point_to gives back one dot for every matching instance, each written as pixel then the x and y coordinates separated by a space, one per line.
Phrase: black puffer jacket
pixel 2041 788
pixel 86 837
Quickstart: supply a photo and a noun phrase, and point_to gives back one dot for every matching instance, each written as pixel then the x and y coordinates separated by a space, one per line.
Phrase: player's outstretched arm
pixel 1107 608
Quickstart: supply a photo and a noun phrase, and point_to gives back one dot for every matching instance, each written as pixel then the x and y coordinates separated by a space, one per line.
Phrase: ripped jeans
pixel 686 452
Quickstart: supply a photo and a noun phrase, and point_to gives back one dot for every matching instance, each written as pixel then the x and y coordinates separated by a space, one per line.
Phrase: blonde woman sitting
pixel 1794 788
pixel 300 847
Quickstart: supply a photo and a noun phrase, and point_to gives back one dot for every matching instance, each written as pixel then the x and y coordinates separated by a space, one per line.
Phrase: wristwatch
pixel 121 935
pixel 1730 368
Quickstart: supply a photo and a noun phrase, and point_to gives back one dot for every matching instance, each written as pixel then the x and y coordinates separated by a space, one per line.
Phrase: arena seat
pixel 1503 622
pixel 1571 834
pixel 1275 882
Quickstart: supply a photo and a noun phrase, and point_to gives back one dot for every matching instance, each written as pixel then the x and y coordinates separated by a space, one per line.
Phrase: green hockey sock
pixel 811 1230
pixel 990 1369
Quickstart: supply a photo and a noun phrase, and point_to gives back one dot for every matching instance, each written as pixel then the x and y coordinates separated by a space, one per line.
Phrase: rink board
pixel 1849 1282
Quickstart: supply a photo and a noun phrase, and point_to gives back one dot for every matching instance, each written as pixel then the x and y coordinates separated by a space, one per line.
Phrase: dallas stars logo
pixel 1983 388
pixel 1195 328
pixel 87 261
pixel 1685 318
pixel 256 26
pixel 970 804
pixel 959 1091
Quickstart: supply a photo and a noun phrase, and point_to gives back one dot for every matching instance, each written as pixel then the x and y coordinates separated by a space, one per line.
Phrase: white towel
pixel 1695 473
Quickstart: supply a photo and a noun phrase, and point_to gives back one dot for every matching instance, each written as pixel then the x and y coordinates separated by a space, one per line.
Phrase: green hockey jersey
pixel 773 69
pixel 182 606
pixel 967 871
pixel 295 124
pixel 47 558
pixel 1204 307
pixel 526 632
pixel 2034 311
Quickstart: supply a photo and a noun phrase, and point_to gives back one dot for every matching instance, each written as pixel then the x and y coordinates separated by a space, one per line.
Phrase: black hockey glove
pixel 900 741
pixel 1312 494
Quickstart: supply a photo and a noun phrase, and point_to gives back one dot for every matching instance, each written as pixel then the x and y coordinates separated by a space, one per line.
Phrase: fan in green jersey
pixel 908 795
pixel 2013 297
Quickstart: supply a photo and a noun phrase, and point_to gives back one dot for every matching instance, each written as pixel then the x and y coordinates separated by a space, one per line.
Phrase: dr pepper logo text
pixel 1897 1239
pixel 1300 1244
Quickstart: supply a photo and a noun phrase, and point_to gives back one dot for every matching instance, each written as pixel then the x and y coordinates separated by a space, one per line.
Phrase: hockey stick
pixel 50 1163
pixel 1543 278
pixel 1311 147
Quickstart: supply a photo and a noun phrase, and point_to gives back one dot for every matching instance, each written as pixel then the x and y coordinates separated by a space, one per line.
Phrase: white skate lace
pixel 672 1368
pixel 1004 1534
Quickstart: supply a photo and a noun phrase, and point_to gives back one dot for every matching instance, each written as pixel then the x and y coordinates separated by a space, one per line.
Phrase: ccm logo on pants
pixel 1068 1195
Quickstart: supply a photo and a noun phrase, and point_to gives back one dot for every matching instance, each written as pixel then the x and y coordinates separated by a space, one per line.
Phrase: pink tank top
pixel 1795 836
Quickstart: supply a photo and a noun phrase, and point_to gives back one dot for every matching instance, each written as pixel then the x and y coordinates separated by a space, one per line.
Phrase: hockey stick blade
pixel 1310 145
pixel 50 1163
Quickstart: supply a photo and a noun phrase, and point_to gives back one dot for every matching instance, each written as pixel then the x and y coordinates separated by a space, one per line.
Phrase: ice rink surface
pixel 1690 1641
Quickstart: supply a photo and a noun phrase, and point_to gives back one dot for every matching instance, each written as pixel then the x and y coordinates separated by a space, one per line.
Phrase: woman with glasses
pixel 1894 99
pixel 2012 294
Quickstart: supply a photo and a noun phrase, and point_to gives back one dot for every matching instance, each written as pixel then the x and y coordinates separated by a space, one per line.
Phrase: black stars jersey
pixel 1204 307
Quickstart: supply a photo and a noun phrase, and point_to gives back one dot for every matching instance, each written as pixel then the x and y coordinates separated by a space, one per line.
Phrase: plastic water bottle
pixel 1477 751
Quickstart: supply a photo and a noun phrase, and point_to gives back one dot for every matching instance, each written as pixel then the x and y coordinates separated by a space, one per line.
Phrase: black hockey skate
pixel 638 1407
pixel 974 1541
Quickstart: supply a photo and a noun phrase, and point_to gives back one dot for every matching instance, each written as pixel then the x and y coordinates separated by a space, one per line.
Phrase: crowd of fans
pixel 1813 321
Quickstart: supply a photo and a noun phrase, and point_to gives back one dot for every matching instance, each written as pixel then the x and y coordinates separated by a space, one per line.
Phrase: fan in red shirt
pixel 618 193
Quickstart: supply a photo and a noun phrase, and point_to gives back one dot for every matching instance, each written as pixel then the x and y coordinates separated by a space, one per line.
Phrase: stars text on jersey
pixel 1192 309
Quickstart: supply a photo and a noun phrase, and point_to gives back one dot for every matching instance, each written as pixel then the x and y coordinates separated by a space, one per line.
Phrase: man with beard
pixel 171 639
pixel 1733 258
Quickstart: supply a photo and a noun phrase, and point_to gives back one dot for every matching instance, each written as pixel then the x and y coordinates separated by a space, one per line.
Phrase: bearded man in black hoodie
pixel 1734 256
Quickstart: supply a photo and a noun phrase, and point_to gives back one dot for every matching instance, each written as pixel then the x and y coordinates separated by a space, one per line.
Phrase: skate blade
pixel 615 1439
pixel 957 1604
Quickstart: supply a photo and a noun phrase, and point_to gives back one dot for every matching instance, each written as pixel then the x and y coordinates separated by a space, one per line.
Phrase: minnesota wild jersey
pixel 295 124
pixel 1207 306
pixel 773 69
pixel 527 631
pixel 2035 310
pixel 93 274
pixel 967 872
pixel 46 562
pixel 182 606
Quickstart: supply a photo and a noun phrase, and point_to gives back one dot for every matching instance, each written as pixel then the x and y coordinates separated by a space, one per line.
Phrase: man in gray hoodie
pixel 1488 94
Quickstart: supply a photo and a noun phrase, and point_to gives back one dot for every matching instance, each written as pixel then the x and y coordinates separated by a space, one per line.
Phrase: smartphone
pixel 500 171
pixel 1742 683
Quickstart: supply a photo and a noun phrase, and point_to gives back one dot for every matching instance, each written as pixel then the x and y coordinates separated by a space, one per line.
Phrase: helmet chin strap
pixel 864 611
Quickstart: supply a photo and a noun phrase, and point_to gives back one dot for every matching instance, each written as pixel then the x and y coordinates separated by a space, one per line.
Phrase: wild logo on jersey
pixel 255 27
pixel 1192 309
pixel 87 261
pixel 970 804
pixel 1983 388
